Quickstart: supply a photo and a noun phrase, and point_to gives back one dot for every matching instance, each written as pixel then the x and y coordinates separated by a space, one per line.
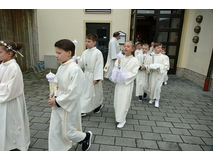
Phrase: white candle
pixel 50 77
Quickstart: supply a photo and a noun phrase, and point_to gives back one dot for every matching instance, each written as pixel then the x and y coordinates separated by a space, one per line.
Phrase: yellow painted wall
pixel 199 61
pixel 54 25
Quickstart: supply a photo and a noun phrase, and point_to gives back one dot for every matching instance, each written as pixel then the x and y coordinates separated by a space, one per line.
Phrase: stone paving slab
pixel 184 120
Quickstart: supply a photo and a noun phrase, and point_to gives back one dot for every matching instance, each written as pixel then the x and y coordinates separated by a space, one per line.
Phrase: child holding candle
pixel 142 76
pixel 14 123
pixel 65 123
pixel 128 66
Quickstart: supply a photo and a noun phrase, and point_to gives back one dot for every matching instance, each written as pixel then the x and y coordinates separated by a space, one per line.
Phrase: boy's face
pixel 157 49
pixel 139 47
pixel 62 56
pixel 90 43
pixel 128 49
pixel 145 48
pixel 4 55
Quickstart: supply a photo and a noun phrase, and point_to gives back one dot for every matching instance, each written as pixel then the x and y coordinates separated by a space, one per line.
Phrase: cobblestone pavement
pixel 184 120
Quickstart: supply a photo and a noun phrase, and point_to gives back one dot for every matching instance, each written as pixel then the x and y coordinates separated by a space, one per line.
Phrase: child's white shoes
pixel 121 124
pixel 156 103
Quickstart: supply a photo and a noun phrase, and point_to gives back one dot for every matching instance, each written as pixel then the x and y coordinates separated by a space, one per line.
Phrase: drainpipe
pixel 208 77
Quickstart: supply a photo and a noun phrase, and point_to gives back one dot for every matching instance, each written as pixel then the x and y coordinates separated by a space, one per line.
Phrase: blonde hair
pixel 133 46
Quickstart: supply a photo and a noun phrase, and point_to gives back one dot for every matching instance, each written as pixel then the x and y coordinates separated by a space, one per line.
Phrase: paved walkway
pixel 184 120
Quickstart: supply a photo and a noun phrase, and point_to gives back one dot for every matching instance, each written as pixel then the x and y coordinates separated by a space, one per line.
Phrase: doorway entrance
pixel 158 25
pixel 103 32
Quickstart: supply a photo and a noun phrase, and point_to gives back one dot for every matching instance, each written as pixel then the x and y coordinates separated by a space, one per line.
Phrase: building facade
pixel 174 28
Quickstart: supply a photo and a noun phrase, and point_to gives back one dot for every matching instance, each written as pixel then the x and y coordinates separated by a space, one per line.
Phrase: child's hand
pixel 143 68
pixel 51 102
pixel 52 95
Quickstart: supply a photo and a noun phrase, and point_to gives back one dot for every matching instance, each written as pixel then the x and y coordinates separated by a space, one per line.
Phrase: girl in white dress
pixel 14 127
pixel 124 74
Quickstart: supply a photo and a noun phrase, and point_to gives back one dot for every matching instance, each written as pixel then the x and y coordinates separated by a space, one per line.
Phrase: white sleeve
pixel 13 88
pixel 99 64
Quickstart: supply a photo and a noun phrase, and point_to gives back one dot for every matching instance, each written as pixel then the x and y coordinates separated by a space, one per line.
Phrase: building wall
pixel 199 61
pixel 54 25
pixel 194 66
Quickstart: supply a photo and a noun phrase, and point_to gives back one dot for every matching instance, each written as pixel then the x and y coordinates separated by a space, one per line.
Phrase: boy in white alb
pixel 157 66
pixel 65 122
pixel 139 49
pixel 91 62
pixel 142 76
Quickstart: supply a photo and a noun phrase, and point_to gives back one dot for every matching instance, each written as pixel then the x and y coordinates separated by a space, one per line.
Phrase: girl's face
pixel 62 56
pixel 4 55
pixel 128 48
pixel 90 43
pixel 157 49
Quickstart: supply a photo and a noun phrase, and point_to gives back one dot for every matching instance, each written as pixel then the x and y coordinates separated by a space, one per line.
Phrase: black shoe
pixel 98 109
pixel 86 143
pixel 83 114
pixel 15 149
pixel 144 95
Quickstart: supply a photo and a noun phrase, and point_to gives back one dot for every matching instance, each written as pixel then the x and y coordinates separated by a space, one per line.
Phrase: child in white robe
pixel 151 48
pixel 65 123
pixel 139 49
pixel 91 62
pixel 157 66
pixel 166 73
pixel 14 122
pixel 124 74
pixel 142 76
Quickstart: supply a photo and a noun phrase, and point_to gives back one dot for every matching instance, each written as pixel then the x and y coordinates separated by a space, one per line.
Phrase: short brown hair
pixel 92 36
pixel 66 45
pixel 116 34
pixel 157 44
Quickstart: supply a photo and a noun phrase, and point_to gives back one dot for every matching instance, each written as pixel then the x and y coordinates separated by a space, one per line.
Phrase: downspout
pixel 208 77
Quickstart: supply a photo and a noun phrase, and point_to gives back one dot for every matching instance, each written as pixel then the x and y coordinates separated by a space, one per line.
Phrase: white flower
pixel 50 77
